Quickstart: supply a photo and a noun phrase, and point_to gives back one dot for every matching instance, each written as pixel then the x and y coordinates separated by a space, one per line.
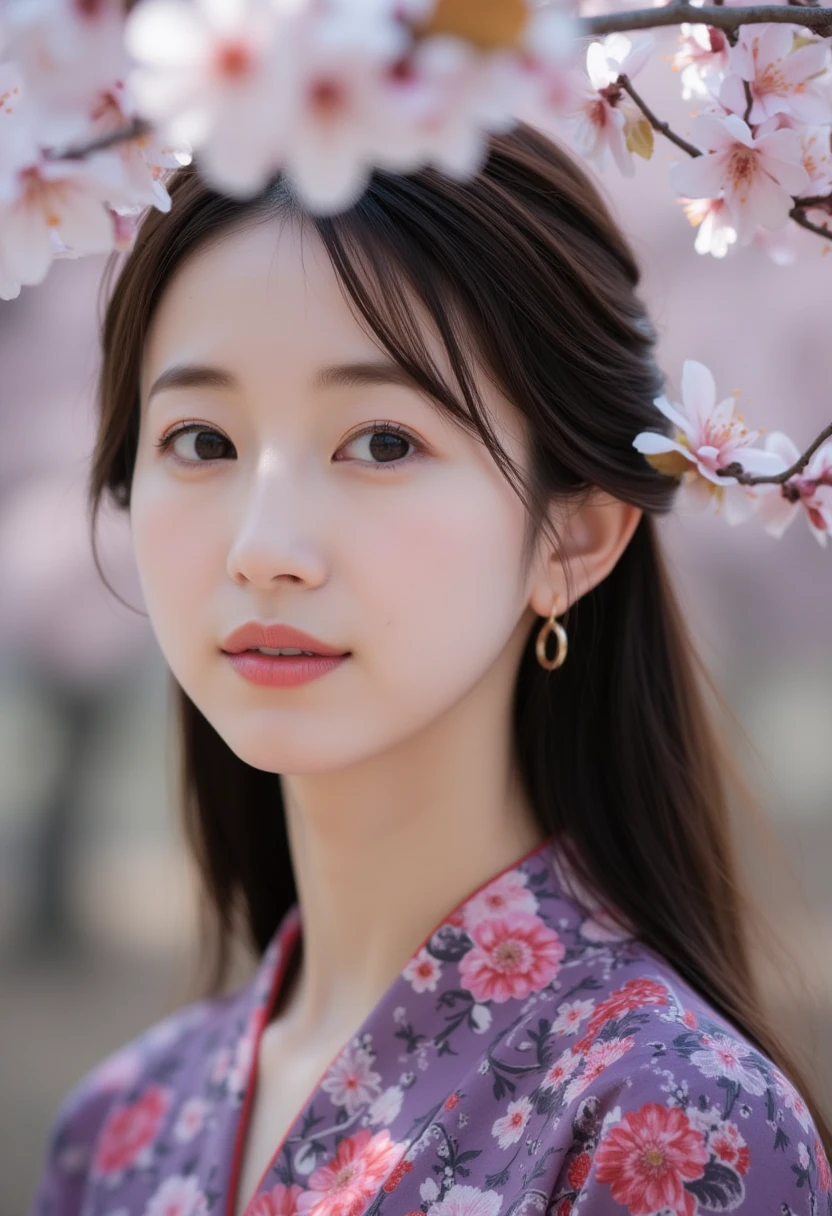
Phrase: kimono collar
pixel 470 977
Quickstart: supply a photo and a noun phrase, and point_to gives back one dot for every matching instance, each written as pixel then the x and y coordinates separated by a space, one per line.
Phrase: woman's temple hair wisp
pixel 524 271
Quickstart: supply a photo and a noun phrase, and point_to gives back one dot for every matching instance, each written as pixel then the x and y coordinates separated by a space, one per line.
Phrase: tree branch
pixel 819 20
pixel 819 229
pixel 735 469
pixel 655 122
pixel 134 130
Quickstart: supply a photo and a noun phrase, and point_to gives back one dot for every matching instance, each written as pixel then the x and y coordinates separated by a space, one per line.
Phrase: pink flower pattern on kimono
pixel 648 1157
pixel 131 1130
pixel 343 1186
pixel 471 1097
pixel 513 955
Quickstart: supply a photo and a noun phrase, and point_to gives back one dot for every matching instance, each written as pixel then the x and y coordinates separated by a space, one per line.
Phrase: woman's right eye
pixel 206 443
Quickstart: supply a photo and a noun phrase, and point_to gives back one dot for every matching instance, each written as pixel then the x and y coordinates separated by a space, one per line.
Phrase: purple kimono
pixel 528 1058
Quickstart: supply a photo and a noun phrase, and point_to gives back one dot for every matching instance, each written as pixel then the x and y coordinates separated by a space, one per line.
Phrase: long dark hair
pixel 523 269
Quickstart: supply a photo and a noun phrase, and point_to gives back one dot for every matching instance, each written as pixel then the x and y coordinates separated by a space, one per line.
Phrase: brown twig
pixel 134 130
pixel 735 469
pixel 655 122
pixel 819 229
pixel 819 20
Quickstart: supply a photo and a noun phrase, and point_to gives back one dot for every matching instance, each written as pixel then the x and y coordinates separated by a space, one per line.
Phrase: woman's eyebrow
pixel 343 375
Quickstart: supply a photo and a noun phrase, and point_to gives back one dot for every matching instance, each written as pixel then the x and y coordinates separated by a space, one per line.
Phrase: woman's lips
pixel 283 671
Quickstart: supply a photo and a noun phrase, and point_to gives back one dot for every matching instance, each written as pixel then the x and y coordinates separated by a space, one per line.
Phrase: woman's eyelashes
pixel 387 454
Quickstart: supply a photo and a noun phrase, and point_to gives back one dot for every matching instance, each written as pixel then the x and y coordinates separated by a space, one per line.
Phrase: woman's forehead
pixel 265 297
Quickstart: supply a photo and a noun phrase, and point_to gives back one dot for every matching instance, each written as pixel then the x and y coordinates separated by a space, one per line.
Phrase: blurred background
pixel 97 895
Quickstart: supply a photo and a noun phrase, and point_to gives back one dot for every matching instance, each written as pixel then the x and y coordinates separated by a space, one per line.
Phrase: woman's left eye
pixel 393 439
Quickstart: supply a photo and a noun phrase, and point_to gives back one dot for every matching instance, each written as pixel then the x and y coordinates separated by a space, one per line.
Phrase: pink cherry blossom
pixel 715 232
pixel 816 158
pixel 216 75
pixel 710 437
pixel 810 490
pixel 702 57
pixel 757 175
pixel 46 205
pixel 67 54
pixel 600 110
pixel 781 79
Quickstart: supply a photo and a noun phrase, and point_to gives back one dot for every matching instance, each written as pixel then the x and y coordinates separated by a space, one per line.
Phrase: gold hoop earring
pixel 551 626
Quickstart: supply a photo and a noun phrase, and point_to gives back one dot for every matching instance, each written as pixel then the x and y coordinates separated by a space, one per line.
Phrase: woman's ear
pixel 592 538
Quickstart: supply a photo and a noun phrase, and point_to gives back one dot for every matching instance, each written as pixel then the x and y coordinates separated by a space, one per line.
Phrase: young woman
pixel 478 836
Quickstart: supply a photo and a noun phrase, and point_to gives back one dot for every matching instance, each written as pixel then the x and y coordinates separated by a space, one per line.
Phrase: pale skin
pixel 396 768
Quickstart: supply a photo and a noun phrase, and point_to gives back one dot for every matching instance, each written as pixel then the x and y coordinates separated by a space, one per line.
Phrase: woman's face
pixel 291 509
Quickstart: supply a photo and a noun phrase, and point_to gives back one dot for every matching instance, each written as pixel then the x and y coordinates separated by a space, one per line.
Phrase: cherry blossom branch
pixel 656 123
pixel 735 469
pixel 819 20
pixel 134 130
pixel 800 204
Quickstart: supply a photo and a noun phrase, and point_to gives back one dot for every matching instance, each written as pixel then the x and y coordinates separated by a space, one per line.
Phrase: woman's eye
pixel 387 446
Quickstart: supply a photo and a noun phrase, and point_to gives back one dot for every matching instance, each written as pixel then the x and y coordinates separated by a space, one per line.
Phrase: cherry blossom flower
pixel 507 893
pixel 716 233
pixel 600 112
pixel 758 175
pixel 67 53
pixel 217 75
pixel 780 78
pixel 343 1186
pixel 709 438
pixel 648 1157
pixel 814 150
pixel 702 56
pixel 513 955
pixel 810 490
pixel 508 1129
pixel 45 204
pixel 423 971
pixel 351 1080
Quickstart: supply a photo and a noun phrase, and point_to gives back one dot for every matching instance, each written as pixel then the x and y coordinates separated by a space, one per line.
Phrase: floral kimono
pixel 528 1058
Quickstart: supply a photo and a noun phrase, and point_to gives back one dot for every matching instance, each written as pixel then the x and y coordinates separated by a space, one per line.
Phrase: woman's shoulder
pixel 179 1042
pixel 668 1107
